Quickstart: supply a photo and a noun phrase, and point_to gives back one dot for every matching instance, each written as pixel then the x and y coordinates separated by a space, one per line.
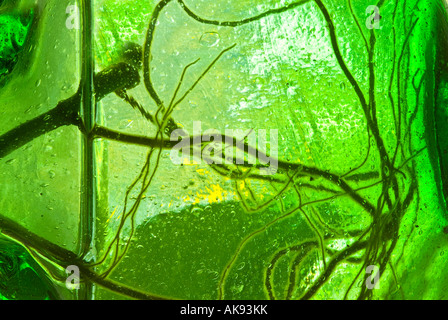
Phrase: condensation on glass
pixel 224 149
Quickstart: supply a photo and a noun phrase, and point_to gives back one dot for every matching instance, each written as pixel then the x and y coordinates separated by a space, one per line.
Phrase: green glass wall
pixel 314 149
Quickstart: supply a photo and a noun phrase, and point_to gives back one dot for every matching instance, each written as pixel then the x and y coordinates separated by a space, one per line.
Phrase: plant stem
pixel 116 77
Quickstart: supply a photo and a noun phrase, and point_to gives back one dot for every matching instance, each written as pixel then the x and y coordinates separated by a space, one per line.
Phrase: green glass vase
pixel 238 150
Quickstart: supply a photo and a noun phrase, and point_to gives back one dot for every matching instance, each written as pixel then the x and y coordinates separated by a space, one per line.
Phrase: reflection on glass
pixel 224 149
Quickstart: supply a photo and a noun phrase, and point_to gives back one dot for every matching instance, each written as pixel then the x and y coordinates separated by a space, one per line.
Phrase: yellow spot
pixel 211 195
pixel 202 172
pixel 217 194
pixel 113 212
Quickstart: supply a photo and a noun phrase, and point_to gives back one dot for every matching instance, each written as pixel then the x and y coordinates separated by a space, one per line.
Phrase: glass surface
pixel 223 149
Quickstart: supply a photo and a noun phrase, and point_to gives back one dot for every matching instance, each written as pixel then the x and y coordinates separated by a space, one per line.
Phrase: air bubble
pixel 209 39
pixel 241 266
pixel 52 174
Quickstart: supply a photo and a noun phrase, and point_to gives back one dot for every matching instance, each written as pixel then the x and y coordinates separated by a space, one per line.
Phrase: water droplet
pixel 196 211
pixel 193 104
pixel 209 39
pixel 238 288
pixel 125 124
pixel 38 82
pixel 31 108
pixel 52 174
pixel 241 266
pixel 169 16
